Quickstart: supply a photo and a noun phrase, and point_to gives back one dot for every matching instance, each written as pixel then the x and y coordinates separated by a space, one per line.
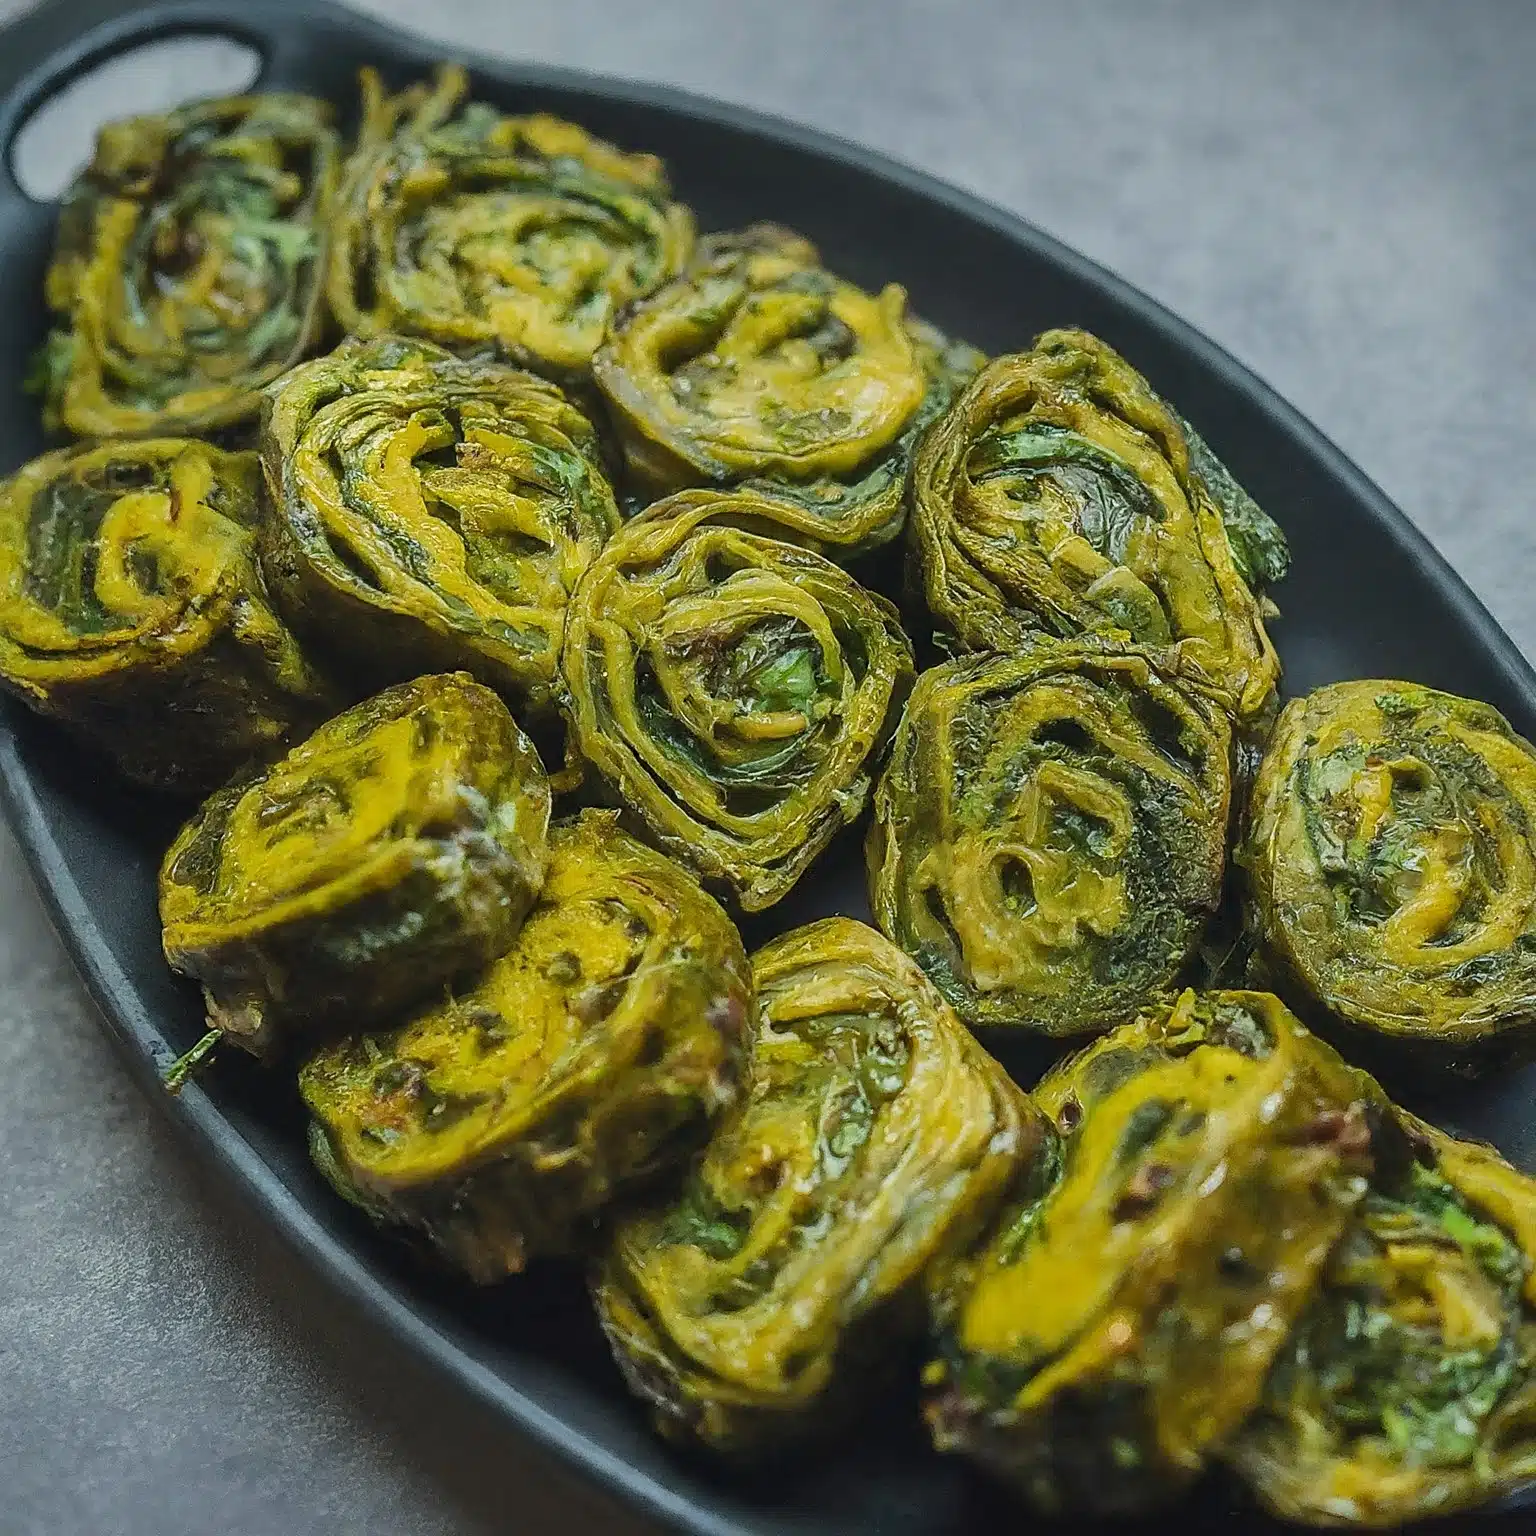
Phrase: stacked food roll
pixel 189 266
pixel 759 368
pixel 466 226
pixel 731 688
pixel 1063 496
pixel 430 512
pixel 134 610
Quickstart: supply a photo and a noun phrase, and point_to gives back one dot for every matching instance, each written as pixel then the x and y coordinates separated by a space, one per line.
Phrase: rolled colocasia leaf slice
pixel 133 610
pixel 189 266
pixel 594 1054
pixel 395 850
pixel 429 512
pixel 731 690
pixel 521 235
pixel 1408 1390
pixel 1061 494
pixel 1118 1325
pixel 876 1136
pixel 1392 857
pixel 1050 834
pixel 759 368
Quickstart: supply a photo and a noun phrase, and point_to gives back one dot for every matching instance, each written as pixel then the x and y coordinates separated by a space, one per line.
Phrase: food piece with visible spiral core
pixel 480 231
pixel 875 1137
pixel 189 266
pixel 594 1054
pixel 132 609
pixel 1118 1325
pixel 1061 494
pixel 429 512
pixel 1050 834
pixel 731 690
pixel 758 368
pixel 1408 1390
pixel 1391 853
pixel 395 850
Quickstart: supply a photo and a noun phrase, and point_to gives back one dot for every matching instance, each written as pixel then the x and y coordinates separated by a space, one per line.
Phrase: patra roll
pixel 592 1055
pixel 483 231
pixel 431 513
pixel 1393 869
pixel 394 851
pixel 1117 1327
pixel 760 368
pixel 875 1137
pixel 132 609
pixel 1408 1389
pixel 732 690
pixel 1049 836
pixel 1061 494
pixel 189 266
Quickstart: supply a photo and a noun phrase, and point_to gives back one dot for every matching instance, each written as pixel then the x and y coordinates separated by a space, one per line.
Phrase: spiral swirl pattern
pixel 761 369
pixel 189 266
pixel 1059 495
pixel 392 852
pixel 1392 857
pixel 1408 1389
pixel 1116 1327
pixel 875 1137
pixel 429 512
pixel 523 235
pixel 593 1055
pixel 731 689
pixel 1050 836
pixel 133 610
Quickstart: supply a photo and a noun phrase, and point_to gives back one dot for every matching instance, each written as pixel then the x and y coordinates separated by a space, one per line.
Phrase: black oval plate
pixel 1368 597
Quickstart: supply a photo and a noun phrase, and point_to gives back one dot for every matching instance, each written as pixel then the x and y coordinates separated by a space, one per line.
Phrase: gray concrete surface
pixel 1340 193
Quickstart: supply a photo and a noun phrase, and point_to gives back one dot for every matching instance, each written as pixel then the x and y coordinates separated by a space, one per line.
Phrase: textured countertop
pixel 1339 194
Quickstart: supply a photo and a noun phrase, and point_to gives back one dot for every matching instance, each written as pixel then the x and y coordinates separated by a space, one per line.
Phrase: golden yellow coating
pixel 477 230
pixel 1118 1326
pixel 1061 494
pixel 393 851
pixel 1409 1388
pixel 592 1054
pixel 731 690
pixel 431 512
pixel 1050 835
pixel 759 368
pixel 132 609
pixel 189 264
pixel 1392 856
pixel 876 1136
